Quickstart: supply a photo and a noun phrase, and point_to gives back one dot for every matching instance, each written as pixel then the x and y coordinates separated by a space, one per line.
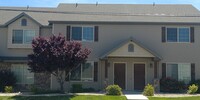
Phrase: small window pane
pixel 87 71
pixel 183 34
pixel 17 37
pixel 28 36
pixel 181 71
pixel 28 76
pixel 184 72
pixel 130 48
pixel 88 33
pixel 76 74
pixel 77 33
pixel 23 22
pixel 22 74
pixel 171 34
pixel 172 71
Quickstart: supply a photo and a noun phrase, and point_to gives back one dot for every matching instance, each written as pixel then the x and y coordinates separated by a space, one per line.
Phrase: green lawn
pixel 66 98
pixel 178 98
pixel 90 98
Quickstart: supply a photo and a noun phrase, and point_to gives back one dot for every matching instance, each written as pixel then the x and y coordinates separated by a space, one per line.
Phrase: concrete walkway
pixel 10 94
pixel 129 95
pixel 136 97
pixel 168 95
pixel 133 95
pixel 52 94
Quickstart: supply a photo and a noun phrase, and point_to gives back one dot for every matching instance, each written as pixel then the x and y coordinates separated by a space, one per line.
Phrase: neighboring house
pixel 132 45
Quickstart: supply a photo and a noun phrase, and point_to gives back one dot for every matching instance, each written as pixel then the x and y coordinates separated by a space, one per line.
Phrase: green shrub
pixel 113 90
pixel 7 78
pixel 192 89
pixel 197 83
pixel 148 90
pixel 8 89
pixel 34 89
pixel 40 91
pixel 171 85
pixel 77 88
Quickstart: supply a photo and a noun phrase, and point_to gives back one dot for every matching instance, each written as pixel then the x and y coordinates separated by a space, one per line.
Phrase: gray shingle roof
pixel 106 13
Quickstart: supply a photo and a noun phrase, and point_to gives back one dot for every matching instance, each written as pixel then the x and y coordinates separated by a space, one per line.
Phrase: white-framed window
pixel 84 72
pixel 130 48
pixel 23 36
pixel 180 34
pixel 82 33
pixel 22 74
pixel 23 22
pixel 179 71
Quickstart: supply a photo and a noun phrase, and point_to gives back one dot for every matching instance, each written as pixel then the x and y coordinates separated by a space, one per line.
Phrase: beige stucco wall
pixel 31 25
pixel 46 32
pixel 111 35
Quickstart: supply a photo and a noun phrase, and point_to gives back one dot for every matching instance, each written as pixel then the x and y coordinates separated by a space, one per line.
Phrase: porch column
pixel 155 69
pixel 156 78
pixel 106 74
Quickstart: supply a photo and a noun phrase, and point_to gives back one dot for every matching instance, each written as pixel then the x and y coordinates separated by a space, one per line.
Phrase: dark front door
pixel 139 76
pixel 119 74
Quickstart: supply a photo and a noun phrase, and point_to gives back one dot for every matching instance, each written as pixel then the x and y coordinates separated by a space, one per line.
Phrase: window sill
pixel 24 46
pixel 81 81
pixel 23 84
pixel 180 42
pixel 83 41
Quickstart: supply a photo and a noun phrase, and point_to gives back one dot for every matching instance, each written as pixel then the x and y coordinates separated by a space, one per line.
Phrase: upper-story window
pixel 130 48
pixel 178 35
pixel 23 22
pixel 22 36
pixel 82 33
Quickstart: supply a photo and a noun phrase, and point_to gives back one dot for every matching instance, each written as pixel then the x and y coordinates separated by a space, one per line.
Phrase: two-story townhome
pixel 132 44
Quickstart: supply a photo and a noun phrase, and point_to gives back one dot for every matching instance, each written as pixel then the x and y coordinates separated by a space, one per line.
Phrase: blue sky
pixel 54 3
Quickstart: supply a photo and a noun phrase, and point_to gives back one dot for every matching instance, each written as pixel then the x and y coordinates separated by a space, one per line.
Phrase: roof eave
pixel 19 16
pixel 125 22
pixel 13 59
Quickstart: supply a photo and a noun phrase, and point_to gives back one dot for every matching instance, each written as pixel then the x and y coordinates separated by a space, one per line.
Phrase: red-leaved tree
pixel 55 55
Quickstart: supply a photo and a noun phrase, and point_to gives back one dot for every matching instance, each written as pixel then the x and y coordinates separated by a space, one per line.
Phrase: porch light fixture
pixel 151 65
pixel 108 64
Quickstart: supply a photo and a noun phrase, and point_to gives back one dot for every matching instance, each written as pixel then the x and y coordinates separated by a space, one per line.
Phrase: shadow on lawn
pixel 41 97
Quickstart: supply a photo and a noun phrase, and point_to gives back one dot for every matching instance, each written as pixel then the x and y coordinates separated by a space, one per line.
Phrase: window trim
pixel 177 28
pixel 22 21
pixel 23 36
pixel 132 49
pixel 82 26
pixel 23 65
pixel 81 80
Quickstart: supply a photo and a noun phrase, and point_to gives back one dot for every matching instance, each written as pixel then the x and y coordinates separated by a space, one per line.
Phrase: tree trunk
pixel 61 87
pixel 61 81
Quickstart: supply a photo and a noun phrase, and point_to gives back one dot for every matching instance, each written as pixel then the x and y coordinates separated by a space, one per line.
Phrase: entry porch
pixel 130 65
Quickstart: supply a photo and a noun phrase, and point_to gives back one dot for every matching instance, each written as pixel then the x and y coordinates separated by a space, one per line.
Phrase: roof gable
pixel 139 50
pixel 19 16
